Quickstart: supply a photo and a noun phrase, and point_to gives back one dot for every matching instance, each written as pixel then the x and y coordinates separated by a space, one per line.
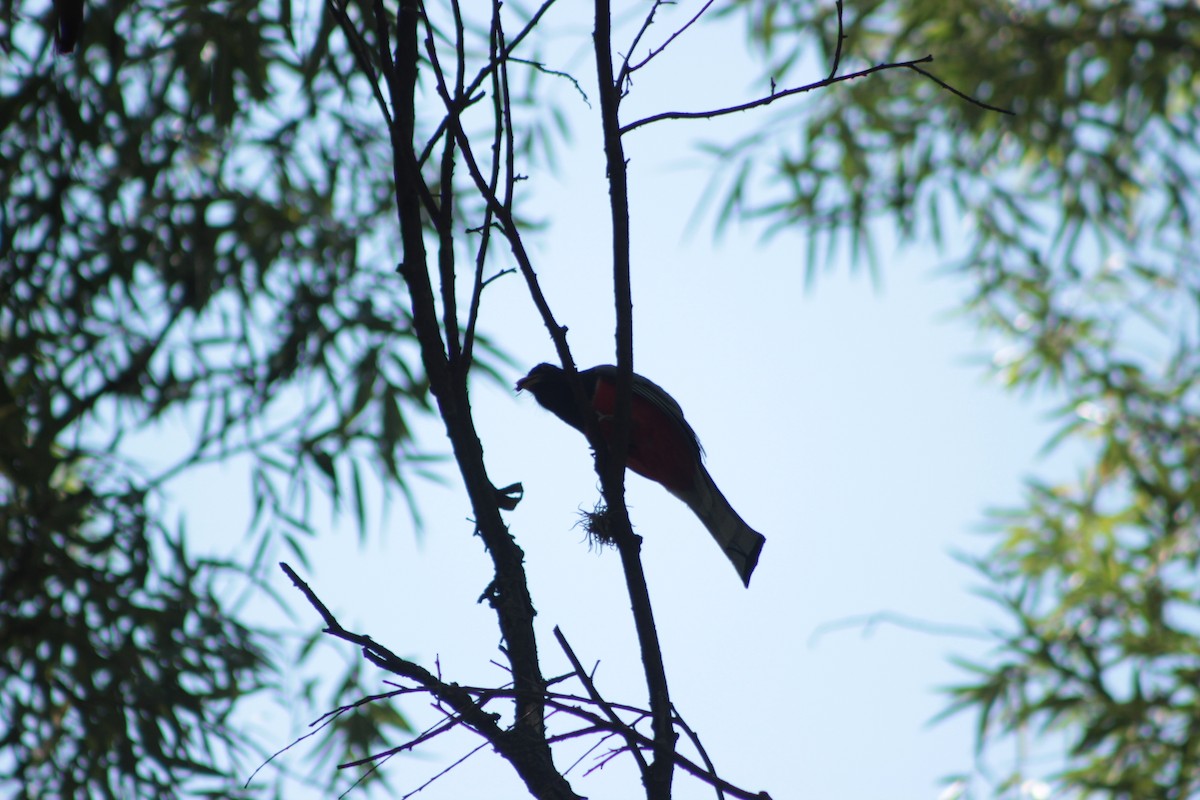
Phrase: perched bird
pixel 662 447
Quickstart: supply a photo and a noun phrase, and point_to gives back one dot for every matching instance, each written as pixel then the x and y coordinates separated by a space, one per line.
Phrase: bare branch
pixel 594 694
pixel 695 740
pixel 502 210
pixel 483 75
pixel 448 724
pixel 771 98
pixel 444 223
pixel 443 773
pixel 467 704
pixel 645 742
pixel 611 451
pixel 764 101
pixel 361 56
pixel 954 91
pixel 589 751
pixel 542 68
pixel 841 37
pixel 637 38
pixel 630 69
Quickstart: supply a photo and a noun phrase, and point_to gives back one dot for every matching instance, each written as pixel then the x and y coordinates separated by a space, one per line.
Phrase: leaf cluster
pixel 1098 577
pixel 119 667
pixel 191 255
pixel 1101 151
pixel 1079 259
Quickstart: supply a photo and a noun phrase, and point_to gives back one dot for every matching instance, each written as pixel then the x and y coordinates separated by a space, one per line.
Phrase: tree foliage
pixel 189 217
pixel 1079 255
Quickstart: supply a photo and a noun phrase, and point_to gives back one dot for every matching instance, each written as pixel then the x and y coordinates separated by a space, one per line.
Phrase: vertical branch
pixel 446 276
pixel 445 220
pixel 402 86
pixel 508 594
pixel 658 777
pixel 502 133
pixel 618 194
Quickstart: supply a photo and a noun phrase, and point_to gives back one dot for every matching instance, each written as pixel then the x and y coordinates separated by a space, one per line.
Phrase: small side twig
pixel 557 73
pixel 628 69
pixel 646 743
pixel 841 37
pixel 956 92
pixel 361 56
pixel 637 38
pixel 429 782
pixel 596 698
pixel 695 740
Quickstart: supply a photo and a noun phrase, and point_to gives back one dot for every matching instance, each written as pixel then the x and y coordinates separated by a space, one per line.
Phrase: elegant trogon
pixel 662 447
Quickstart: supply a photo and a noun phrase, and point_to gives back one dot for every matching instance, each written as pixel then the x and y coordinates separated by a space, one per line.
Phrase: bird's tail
pixel 741 543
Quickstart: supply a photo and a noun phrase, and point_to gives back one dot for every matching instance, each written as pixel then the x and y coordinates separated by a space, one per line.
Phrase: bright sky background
pixel 849 424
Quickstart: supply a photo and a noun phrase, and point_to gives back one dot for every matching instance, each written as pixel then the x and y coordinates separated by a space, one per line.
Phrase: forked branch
pixel 465 707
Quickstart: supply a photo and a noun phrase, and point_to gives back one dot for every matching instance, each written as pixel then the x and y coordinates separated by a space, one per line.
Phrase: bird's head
pixel 538 375
pixel 548 384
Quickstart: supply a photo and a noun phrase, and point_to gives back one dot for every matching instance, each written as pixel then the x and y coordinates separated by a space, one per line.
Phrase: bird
pixel 662 447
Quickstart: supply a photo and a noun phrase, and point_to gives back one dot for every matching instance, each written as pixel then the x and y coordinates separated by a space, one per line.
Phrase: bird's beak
pixel 526 382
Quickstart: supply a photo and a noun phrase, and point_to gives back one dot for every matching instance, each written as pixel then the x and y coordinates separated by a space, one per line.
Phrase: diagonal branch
pixel 695 740
pixel 467 704
pixel 607 708
pixel 611 455
pixel 469 93
pixel 954 91
pixel 457 698
pixel 600 723
pixel 628 69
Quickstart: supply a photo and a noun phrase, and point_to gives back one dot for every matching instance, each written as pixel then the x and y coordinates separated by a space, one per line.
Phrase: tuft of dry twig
pixel 598 525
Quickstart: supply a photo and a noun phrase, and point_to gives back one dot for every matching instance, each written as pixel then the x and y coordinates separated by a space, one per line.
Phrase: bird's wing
pixel 657 396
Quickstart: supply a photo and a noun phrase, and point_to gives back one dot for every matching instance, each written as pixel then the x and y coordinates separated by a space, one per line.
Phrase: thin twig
pixel 637 38
pixel 589 751
pixel 504 216
pixel 695 739
pixel 954 91
pixel 594 694
pixel 629 70
pixel 451 722
pixel 447 277
pixel 427 783
pixel 331 624
pixel 483 74
pixel 363 777
pixel 461 700
pixel 325 721
pixel 506 120
pixel 771 98
pixel 645 742
pixel 841 37
pixel 542 68
pixel 359 47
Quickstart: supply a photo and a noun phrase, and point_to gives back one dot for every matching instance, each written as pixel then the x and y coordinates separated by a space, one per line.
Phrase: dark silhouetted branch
pixel 764 101
pixel 628 69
